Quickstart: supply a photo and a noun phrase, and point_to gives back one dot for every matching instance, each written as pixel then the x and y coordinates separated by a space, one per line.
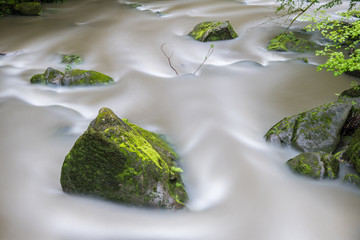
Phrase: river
pixel 238 185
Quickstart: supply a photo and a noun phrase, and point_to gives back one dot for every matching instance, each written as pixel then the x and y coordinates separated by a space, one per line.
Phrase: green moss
pixel 38 79
pixel 78 77
pixel 127 168
pixel 315 165
pixel 213 31
pixel 288 41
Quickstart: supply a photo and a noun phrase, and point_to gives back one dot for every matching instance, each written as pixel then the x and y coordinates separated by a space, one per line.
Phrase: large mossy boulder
pixel 71 78
pixel 213 31
pixel 28 8
pixel 315 165
pixel 290 42
pixel 119 161
pixel 315 130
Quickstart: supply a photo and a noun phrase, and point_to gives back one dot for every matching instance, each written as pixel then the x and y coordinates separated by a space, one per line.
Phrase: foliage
pixel 342 31
pixel 342 52
pixel 288 41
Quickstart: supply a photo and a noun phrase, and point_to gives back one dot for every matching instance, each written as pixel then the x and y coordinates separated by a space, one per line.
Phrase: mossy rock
pixel 28 8
pixel 71 78
pixel 71 59
pixel 213 31
pixel 315 130
pixel 353 179
pixel 316 165
pixel 119 161
pixel 289 42
pixel 351 95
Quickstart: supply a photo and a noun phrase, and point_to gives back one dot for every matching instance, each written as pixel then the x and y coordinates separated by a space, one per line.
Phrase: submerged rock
pixel 28 8
pixel 315 130
pixel 213 31
pixel 71 59
pixel 289 42
pixel 70 78
pixel 315 164
pixel 119 161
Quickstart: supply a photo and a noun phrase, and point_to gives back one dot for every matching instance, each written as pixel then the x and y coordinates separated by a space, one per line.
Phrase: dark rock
pixel 315 164
pixel 75 77
pixel 213 31
pixel 119 161
pixel 315 130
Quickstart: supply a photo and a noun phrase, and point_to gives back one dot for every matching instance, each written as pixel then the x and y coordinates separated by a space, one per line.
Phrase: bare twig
pixel 210 51
pixel 168 58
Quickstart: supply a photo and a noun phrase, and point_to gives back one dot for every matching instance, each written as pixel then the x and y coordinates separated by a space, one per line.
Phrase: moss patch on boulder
pixel 71 78
pixel 289 42
pixel 315 165
pixel 213 31
pixel 122 162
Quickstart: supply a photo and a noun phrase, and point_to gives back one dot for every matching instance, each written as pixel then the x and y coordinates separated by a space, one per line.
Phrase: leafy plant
pixel 68 68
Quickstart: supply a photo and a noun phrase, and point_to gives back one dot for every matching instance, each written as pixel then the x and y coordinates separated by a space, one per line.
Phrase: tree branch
pixel 168 58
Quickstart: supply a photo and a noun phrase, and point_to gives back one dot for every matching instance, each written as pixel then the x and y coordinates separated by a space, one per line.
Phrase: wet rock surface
pixel 119 161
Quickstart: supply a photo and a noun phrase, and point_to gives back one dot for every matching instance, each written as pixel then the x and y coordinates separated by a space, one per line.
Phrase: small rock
pixel 213 31
pixel 315 164
pixel 353 179
pixel 71 59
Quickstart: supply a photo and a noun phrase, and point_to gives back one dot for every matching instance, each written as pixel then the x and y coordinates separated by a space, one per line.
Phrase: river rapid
pixel 238 185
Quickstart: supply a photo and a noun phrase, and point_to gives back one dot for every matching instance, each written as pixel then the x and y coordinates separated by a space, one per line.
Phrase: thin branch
pixel 302 11
pixel 168 58
pixel 210 51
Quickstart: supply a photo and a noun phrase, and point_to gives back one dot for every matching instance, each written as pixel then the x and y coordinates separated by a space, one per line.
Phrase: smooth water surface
pixel 238 184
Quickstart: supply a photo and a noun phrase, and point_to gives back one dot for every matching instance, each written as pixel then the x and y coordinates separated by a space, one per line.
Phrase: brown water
pixel 239 186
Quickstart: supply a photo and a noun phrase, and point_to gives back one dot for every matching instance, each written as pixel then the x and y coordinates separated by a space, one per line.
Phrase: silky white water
pixel 238 185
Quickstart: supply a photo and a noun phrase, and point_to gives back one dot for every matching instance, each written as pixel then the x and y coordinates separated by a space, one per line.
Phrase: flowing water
pixel 238 184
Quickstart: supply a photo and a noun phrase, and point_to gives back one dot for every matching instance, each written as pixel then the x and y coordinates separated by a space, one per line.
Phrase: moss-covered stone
pixel 122 162
pixel 213 31
pixel 289 42
pixel 353 179
pixel 315 165
pixel 71 59
pixel 28 8
pixel 315 130
pixel 71 78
